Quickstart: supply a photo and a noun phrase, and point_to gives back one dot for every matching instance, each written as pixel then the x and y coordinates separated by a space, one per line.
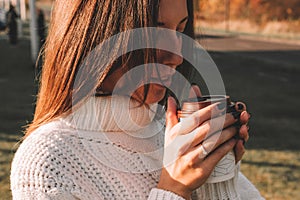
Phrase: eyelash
pixel 179 30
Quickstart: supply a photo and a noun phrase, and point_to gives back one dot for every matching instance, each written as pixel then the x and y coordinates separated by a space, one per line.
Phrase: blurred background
pixel 256 46
pixel 276 18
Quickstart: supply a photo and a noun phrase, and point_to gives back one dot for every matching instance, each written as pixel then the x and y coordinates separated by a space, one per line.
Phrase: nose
pixel 171 59
pixel 171 55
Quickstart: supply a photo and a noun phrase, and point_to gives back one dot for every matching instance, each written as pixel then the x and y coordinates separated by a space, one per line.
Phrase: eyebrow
pixel 181 21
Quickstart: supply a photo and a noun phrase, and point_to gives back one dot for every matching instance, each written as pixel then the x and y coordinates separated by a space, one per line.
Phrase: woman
pixel 11 17
pixel 94 136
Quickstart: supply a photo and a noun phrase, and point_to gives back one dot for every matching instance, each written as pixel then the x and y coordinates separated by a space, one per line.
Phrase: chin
pixel 156 93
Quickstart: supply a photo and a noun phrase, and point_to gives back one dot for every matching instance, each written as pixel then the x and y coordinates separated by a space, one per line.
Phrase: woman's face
pixel 172 15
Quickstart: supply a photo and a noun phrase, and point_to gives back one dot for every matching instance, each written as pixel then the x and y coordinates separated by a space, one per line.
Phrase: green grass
pixel 272 161
pixel 7 143
pixel 272 94
pixel 275 173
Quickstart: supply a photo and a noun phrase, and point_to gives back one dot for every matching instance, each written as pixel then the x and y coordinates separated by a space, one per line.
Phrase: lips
pixel 162 81
pixel 165 78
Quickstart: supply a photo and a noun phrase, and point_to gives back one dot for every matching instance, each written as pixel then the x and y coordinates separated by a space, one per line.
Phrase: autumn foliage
pixel 259 11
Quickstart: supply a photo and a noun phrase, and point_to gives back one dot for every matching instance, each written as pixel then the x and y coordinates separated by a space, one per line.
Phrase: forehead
pixel 172 10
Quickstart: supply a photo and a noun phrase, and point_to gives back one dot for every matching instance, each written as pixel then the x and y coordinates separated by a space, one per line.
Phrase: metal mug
pixel 225 169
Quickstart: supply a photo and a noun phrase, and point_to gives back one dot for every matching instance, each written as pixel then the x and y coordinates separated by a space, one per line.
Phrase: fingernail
pixel 221 105
pixel 193 84
pixel 236 114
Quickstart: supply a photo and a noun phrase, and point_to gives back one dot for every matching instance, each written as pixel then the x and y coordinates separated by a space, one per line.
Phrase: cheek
pixel 169 42
pixel 161 56
pixel 156 93
pixel 156 89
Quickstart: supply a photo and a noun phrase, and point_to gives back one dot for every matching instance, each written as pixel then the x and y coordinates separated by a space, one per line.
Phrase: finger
pixel 213 158
pixel 239 150
pixel 212 126
pixel 190 123
pixel 197 154
pixel 240 106
pixel 244 117
pixel 217 139
pixel 171 114
pixel 195 91
pixel 213 142
pixel 243 133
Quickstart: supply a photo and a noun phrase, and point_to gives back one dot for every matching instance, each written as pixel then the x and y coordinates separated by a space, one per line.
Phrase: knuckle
pixel 206 127
pixel 211 108
pixel 229 119
pixel 204 171
pixel 229 145
pixel 195 120
pixel 169 115
pixel 232 130
pixel 192 164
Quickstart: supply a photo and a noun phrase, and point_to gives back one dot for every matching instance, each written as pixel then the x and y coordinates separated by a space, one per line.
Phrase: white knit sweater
pixel 102 151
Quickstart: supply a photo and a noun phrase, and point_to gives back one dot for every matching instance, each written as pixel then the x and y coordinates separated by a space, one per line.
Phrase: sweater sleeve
pixel 54 194
pixel 158 194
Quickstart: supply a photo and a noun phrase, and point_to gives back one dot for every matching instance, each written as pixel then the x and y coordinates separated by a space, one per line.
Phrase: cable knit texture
pixel 95 154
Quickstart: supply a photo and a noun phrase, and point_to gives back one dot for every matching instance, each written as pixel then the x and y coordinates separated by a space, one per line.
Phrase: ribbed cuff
pixel 158 194
pixel 221 190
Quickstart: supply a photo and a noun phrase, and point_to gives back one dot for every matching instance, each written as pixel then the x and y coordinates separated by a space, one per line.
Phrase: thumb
pixel 195 91
pixel 171 115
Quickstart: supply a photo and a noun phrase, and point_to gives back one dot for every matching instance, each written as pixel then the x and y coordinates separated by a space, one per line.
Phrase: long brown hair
pixel 78 26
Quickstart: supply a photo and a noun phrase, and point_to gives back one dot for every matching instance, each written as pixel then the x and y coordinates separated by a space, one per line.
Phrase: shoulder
pixel 47 141
pixel 38 164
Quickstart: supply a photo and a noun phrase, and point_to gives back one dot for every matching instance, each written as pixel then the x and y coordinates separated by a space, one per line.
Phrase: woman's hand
pixel 239 149
pixel 187 164
pixel 243 134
